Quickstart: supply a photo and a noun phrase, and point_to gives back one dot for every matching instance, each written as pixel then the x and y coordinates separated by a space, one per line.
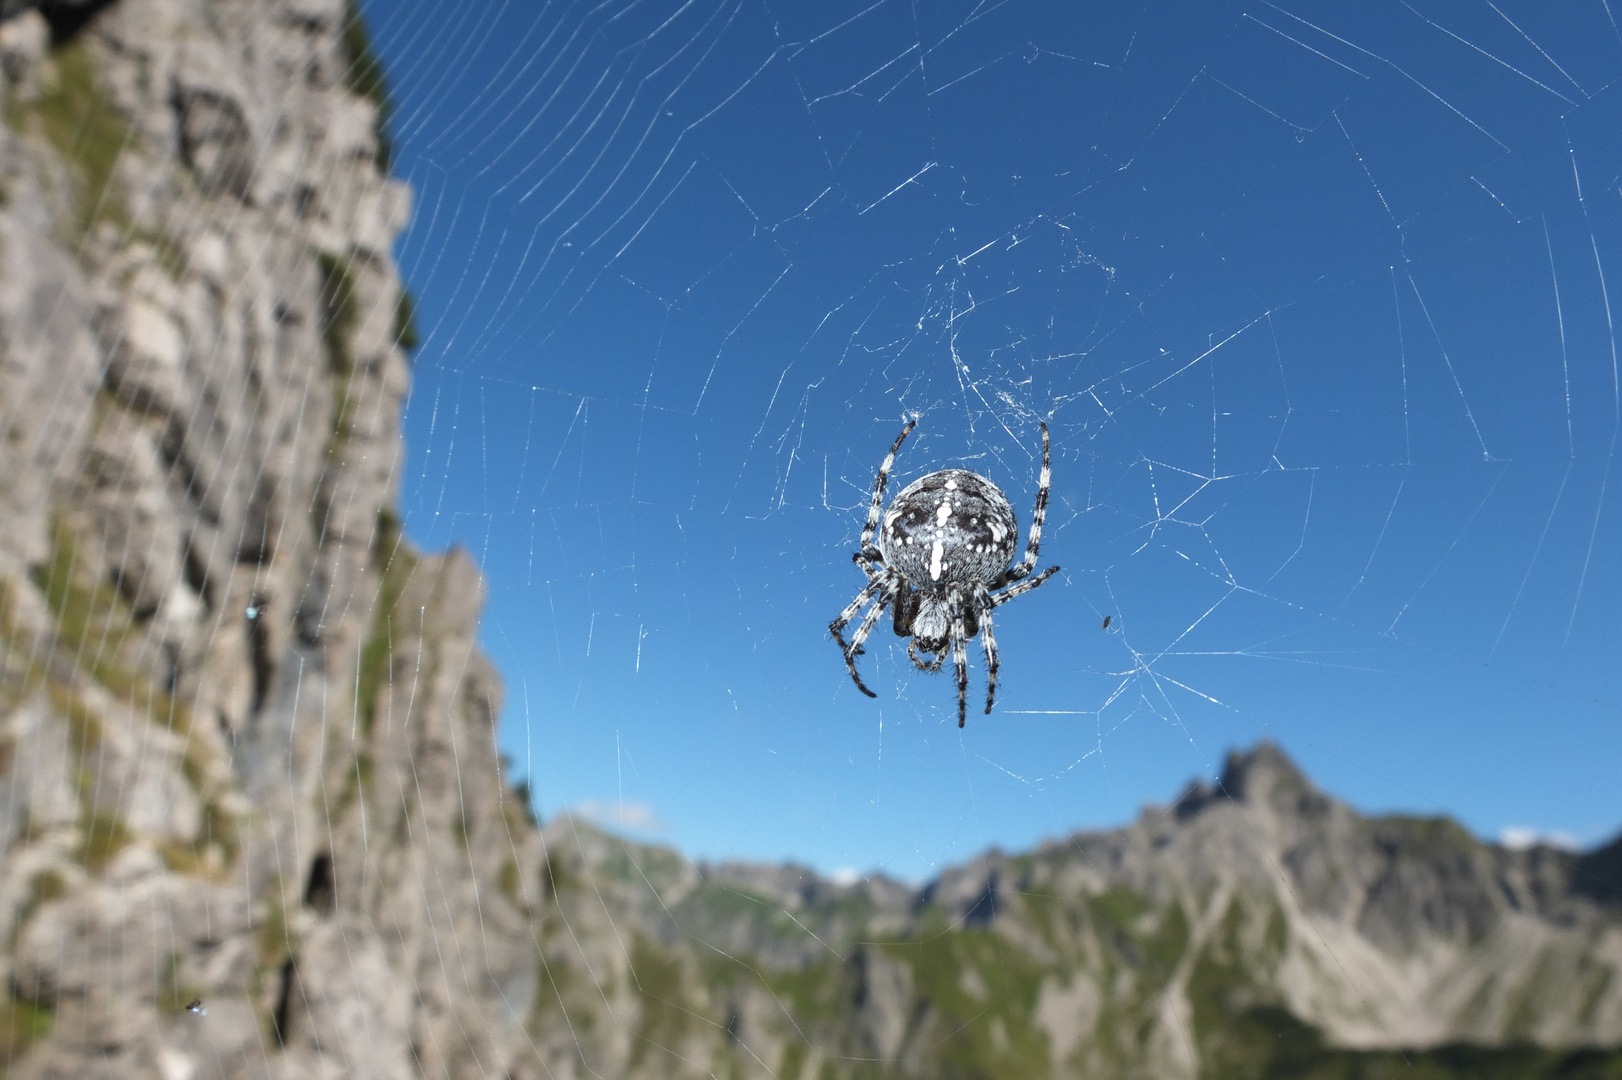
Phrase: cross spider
pixel 945 549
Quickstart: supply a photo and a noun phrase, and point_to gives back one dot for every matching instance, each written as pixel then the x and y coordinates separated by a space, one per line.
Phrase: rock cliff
pixel 252 819
pixel 246 753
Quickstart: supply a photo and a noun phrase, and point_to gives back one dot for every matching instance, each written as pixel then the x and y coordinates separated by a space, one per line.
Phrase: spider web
pixel 1314 302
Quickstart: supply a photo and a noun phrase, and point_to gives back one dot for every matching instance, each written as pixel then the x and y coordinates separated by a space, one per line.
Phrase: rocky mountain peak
pixel 1263 780
pixel 1265 775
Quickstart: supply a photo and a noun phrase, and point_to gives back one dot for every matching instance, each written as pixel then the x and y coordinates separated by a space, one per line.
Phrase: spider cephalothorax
pixel 942 553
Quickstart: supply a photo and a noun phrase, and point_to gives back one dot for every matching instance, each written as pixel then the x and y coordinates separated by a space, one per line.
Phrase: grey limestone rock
pixel 246 737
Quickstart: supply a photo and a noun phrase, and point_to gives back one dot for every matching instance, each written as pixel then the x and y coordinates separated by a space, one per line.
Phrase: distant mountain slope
pixel 1255 928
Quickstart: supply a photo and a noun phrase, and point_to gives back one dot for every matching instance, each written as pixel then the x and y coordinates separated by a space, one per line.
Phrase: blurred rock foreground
pixel 246 737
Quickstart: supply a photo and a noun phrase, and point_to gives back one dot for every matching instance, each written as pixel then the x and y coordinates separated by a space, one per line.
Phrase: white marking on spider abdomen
pixel 942 512
pixel 935 560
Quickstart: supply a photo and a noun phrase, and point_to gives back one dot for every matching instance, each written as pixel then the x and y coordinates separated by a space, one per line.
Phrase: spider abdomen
pixel 952 527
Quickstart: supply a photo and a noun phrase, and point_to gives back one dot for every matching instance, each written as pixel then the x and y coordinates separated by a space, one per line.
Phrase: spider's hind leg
pixel 960 662
pixel 982 601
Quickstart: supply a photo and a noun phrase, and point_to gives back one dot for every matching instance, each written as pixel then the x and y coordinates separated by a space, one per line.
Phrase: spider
pixel 943 554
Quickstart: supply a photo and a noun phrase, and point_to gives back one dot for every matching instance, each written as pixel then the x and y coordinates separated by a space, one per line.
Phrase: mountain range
pixel 1255 927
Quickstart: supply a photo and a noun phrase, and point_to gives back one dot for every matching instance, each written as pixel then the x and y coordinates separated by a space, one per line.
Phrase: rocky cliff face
pixel 246 752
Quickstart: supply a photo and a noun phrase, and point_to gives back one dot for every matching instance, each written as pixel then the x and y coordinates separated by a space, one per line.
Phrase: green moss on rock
pixel 85 128
pixel 22 1023
pixel 364 75
pixel 397 562
pixel 94 626
pixel 103 835
pixel 357 779
pixel 405 322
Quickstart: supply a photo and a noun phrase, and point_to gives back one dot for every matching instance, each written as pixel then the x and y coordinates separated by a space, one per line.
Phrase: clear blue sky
pixel 1312 297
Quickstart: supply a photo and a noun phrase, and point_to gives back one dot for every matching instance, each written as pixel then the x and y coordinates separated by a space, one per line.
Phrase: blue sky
pixel 1311 296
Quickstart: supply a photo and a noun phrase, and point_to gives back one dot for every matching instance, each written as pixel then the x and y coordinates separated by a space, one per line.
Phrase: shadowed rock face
pixel 246 739
pixel 1597 876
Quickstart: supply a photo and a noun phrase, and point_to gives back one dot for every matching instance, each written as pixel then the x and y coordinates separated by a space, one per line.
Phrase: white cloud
pixel 635 816
pixel 845 876
pixel 1521 837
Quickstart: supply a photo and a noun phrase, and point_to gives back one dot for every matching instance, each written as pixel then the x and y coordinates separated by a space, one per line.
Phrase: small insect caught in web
pixel 1105 624
pixel 256 608
pixel 196 1008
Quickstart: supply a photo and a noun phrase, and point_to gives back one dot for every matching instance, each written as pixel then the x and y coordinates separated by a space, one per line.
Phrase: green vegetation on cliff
pixel 365 76
pixel 86 130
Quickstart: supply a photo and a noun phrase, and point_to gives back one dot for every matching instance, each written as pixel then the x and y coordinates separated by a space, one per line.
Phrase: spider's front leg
pixel 871 528
pixel 1039 515
pixel 881 588
pixel 1020 589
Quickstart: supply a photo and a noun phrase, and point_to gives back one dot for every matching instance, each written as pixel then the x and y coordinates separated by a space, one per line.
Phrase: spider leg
pixel 982 600
pixel 960 659
pixel 871 529
pixel 869 621
pixel 1020 589
pixel 870 590
pixel 1024 567
pixel 884 590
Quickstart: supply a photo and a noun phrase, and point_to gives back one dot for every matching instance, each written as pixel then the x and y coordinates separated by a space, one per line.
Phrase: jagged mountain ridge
pixel 1257 905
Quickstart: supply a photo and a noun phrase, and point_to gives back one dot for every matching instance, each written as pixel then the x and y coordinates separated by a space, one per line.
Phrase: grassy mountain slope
pixel 1255 929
